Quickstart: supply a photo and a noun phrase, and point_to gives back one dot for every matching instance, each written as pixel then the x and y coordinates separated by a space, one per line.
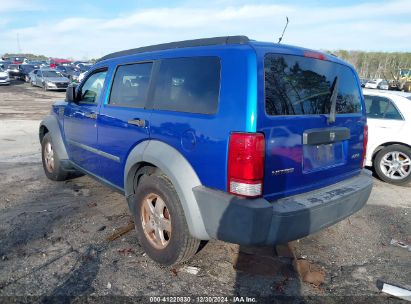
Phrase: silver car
pixel 49 80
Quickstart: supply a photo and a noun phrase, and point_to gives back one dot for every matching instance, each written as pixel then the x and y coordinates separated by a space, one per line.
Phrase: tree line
pixel 370 65
pixel 373 65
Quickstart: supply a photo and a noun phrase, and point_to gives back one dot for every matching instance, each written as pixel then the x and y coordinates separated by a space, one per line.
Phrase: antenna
pixel 285 27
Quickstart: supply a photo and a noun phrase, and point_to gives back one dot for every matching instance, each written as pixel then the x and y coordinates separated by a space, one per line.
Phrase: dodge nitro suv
pixel 222 138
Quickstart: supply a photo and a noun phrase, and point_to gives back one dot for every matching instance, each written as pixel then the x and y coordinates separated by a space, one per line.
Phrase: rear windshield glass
pixel 296 85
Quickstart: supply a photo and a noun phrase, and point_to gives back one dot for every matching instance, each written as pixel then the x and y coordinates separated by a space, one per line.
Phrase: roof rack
pixel 180 44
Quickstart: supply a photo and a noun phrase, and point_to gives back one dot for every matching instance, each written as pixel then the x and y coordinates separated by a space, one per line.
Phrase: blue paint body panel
pixel 203 139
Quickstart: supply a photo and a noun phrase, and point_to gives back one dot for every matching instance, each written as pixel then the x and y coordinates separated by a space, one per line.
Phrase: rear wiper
pixel 333 100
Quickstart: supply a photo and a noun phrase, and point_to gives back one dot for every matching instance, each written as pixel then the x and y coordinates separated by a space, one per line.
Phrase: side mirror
pixel 71 93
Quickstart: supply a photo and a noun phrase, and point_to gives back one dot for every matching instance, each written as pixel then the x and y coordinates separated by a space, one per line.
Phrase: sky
pixel 82 29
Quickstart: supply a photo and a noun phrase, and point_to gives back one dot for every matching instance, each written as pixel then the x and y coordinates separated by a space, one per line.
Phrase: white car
pixel 81 76
pixel 377 84
pixel 4 77
pixel 389 134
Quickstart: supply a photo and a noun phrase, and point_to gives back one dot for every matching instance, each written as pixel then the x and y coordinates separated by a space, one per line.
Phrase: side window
pixel 188 85
pixel 130 85
pixel 91 89
pixel 380 108
pixel 392 112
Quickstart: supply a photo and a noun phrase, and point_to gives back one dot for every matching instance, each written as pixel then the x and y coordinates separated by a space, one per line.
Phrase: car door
pixel 383 118
pixel 123 121
pixel 80 122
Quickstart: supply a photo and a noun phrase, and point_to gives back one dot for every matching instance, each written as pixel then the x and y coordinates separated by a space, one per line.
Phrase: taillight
pixel 364 146
pixel 246 164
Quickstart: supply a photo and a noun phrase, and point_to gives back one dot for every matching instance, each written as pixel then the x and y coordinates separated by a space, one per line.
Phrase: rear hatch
pixel 305 147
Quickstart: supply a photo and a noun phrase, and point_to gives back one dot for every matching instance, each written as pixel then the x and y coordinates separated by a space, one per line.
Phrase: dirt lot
pixel 53 238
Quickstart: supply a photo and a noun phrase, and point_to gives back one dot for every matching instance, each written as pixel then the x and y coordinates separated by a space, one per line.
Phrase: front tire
pixel 393 164
pixel 51 161
pixel 160 222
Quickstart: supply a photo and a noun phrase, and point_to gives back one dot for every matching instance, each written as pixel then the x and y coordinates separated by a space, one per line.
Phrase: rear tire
pixel 160 222
pixel 51 161
pixel 393 164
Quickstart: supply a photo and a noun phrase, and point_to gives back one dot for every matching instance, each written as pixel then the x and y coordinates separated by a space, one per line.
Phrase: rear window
pixel 296 85
pixel 188 85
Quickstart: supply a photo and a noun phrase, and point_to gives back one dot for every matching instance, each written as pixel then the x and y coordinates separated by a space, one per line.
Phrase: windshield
pixel 296 85
pixel 51 74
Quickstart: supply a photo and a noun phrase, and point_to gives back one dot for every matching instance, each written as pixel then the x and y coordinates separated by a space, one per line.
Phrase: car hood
pixel 57 79
pixel 4 74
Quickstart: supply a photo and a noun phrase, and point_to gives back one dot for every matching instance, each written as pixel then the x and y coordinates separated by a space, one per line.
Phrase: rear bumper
pixel 259 222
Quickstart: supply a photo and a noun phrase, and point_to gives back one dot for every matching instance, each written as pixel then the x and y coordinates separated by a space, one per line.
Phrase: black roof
pixel 180 44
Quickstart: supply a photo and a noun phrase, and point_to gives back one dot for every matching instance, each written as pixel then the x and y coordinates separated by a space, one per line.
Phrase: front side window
pixel 188 85
pixel 130 85
pixel 91 89
pixel 296 85
pixel 380 108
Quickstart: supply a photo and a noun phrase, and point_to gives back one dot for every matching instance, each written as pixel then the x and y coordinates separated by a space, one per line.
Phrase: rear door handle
pixel 91 115
pixel 137 122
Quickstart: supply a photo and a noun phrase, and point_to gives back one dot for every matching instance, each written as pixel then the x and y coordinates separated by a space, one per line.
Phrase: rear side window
pixel 130 85
pixel 381 108
pixel 188 85
pixel 296 85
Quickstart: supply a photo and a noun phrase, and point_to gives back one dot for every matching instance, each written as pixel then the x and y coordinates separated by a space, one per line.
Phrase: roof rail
pixel 180 44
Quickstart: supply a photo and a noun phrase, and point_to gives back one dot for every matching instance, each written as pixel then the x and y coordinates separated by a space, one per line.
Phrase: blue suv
pixel 221 138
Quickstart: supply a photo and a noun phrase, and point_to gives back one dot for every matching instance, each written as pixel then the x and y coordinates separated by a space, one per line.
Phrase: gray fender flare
pixel 51 123
pixel 180 173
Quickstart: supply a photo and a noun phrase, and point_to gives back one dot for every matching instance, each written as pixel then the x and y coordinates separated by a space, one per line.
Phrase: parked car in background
pixel 50 79
pixel 69 72
pixel 15 59
pixel 196 152
pixel 15 71
pixel 38 63
pixel 4 64
pixel 4 76
pixel 389 134
pixel 82 75
pixel 363 81
pixel 377 84
pixel 25 71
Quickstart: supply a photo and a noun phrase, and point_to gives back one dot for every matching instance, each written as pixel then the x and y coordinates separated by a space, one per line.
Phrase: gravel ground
pixel 53 238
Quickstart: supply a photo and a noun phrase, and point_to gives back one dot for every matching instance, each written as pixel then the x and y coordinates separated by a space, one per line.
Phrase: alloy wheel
pixel 395 165
pixel 156 221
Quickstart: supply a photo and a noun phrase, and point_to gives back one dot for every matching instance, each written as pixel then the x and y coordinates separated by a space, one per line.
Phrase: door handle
pixel 137 122
pixel 91 115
